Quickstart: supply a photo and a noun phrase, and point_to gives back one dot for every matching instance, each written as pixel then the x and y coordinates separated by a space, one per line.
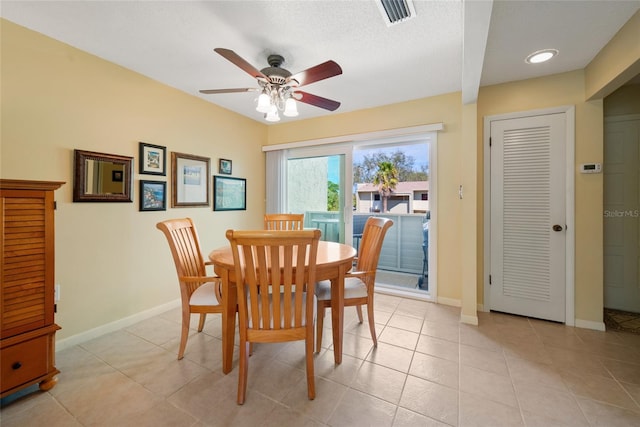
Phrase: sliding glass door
pixel 337 186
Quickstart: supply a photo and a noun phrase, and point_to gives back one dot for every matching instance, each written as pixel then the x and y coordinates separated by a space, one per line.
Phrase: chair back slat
pixel 283 221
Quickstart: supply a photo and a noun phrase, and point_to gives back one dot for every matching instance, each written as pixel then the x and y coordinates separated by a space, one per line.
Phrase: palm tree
pixel 386 178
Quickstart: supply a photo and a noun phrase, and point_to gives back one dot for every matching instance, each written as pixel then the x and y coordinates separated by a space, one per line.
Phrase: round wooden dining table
pixel 332 262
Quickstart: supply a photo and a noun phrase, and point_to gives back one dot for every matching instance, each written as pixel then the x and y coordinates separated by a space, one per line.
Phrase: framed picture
pixel 230 194
pixel 102 177
pixel 153 195
pixel 189 180
pixel 224 166
pixel 153 159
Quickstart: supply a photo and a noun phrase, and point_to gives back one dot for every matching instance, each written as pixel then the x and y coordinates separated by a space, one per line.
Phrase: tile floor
pixel 428 370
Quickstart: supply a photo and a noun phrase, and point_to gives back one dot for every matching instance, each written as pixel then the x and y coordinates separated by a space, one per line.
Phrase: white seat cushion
pixel 204 295
pixel 353 288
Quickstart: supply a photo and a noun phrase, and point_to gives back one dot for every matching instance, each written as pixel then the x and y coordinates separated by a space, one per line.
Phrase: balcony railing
pixel 405 245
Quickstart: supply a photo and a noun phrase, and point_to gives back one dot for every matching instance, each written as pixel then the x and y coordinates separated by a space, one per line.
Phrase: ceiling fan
pixel 279 88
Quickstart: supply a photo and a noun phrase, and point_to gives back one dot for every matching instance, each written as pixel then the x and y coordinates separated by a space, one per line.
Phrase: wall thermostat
pixel 591 168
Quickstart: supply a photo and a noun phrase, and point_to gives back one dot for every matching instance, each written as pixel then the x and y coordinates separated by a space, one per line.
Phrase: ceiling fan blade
pixel 317 101
pixel 214 91
pixel 238 61
pixel 317 73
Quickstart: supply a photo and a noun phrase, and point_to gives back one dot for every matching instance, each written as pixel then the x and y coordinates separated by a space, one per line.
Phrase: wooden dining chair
pixel 359 283
pixel 276 301
pixel 199 293
pixel 283 221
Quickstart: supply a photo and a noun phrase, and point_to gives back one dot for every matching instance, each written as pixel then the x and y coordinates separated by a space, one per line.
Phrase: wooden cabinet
pixel 27 330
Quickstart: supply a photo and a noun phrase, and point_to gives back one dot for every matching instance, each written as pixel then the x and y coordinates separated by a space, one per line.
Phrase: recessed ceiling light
pixel 541 56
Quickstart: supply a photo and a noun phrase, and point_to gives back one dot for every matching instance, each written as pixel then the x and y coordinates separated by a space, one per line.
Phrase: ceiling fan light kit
pixel 272 115
pixel 278 87
pixel 264 102
pixel 290 108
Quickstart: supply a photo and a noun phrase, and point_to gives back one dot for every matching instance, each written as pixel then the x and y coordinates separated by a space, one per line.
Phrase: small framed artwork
pixel 153 159
pixel 189 180
pixel 116 176
pixel 225 166
pixel 153 195
pixel 230 194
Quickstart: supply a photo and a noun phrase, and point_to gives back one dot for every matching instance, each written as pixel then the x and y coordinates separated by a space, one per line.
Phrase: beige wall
pixel 470 226
pixel 111 261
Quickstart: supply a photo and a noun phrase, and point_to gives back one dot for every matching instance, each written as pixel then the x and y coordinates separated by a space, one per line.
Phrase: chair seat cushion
pixel 205 295
pixel 353 288
pixel 304 304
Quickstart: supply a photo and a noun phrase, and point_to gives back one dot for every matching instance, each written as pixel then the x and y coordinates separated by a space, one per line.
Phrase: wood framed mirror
pixel 100 177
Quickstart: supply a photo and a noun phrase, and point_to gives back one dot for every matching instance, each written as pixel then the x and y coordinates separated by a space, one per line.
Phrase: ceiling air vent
pixel 396 11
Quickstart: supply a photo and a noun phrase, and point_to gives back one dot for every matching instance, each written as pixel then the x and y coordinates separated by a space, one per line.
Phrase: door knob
pixel 557 227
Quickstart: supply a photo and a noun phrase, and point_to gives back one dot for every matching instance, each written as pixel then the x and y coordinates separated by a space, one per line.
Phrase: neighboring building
pixel 407 197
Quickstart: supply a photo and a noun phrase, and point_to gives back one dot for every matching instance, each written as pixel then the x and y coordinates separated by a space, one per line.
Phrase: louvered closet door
pixel 527 201
pixel 26 301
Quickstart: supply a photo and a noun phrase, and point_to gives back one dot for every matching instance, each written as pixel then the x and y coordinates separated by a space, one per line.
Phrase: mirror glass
pixel 101 177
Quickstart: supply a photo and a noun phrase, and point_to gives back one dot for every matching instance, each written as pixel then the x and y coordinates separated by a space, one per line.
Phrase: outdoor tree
pixel 421 175
pixel 333 196
pixel 386 178
pixel 405 166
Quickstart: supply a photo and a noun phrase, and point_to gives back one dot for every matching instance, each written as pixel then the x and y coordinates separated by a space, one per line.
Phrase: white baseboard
pixel 469 320
pixel 405 293
pixel 114 326
pixel 590 324
pixel 464 318
pixel 450 301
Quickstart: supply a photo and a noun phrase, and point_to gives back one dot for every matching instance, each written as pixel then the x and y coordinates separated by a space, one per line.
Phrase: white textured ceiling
pixel 173 41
